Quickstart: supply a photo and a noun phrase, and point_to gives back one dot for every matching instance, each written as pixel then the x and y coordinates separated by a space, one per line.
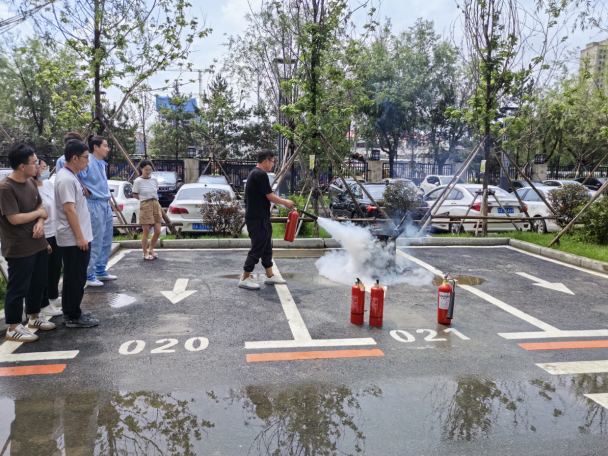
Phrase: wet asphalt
pixel 484 395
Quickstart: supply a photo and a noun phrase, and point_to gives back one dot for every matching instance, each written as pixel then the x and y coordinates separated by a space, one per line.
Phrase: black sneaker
pixel 82 314
pixel 82 322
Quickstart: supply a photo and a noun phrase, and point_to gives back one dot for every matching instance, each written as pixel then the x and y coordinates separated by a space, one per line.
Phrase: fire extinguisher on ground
pixel 445 301
pixel 357 303
pixel 376 306
pixel 292 224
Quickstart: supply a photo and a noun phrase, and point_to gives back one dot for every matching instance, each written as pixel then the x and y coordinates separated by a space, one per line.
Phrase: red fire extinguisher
pixel 357 303
pixel 292 224
pixel 445 301
pixel 376 305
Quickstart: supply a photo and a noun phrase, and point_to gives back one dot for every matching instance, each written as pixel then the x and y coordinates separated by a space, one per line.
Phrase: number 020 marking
pixel 193 344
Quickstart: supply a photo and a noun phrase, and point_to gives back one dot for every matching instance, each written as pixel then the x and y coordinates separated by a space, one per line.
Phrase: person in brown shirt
pixel 23 245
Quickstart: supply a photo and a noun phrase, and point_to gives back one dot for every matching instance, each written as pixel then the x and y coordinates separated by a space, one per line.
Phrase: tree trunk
pixel 97 68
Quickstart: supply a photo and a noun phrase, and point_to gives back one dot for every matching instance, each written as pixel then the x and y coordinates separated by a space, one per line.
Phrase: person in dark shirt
pixel 258 196
pixel 23 245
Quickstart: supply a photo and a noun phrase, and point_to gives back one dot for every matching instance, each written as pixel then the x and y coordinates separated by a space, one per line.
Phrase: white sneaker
pixel 21 334
pixel 105 277
pixel 51 310
pixel 94 283
pixel 274 280
pixel 41 323
pixel 249 284
pixel 56 302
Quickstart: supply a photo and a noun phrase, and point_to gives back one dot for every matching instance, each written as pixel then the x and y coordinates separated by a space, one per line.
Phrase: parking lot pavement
pixel 184 361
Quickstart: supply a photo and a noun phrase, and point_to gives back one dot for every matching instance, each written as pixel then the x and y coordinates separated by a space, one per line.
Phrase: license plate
pixel 200 226
pixel 510 210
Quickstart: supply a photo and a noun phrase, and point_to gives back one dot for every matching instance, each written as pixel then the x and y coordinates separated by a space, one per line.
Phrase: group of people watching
pixel 44 226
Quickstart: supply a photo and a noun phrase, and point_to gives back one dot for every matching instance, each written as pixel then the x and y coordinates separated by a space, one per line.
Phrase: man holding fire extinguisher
pixel 258 196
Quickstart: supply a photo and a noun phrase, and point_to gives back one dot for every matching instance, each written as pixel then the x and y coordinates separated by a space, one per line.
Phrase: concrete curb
pixel 446 241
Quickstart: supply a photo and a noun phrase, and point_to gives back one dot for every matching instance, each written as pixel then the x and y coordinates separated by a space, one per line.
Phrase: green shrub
pixel 400 198
pixel 222 213
pixel 567 200
pixel 593 226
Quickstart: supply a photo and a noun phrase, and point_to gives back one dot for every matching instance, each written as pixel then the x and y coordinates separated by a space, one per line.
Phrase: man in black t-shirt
pixel 258 196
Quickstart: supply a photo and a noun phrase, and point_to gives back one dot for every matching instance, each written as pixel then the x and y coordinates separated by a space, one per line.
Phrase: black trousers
pixel 51 291
pixel 75 263
pixel 26 279
pixel 260 232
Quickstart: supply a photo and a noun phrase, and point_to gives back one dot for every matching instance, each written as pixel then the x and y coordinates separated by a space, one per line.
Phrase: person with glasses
pixel 50 294
pixel 73 233
pixel 24 245
pixel 258 196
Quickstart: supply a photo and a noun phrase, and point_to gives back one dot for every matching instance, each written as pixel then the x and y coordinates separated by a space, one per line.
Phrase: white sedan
pixel 431 182
pixel 537 208
pixel 186 207
pixel 461 197
pixel 129 206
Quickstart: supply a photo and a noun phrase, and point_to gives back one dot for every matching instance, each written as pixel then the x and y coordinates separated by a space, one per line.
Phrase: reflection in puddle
pixel 311 419
pixel 460 280
pixel 98 300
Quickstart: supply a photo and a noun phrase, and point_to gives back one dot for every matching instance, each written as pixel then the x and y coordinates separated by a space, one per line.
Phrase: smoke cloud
pixel 366 258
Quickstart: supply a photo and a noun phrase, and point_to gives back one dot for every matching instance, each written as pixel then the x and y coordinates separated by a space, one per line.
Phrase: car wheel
pixel 455 228
pixel 540 226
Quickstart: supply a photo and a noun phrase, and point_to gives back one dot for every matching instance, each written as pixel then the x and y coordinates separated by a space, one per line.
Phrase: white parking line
pixel 601 399
pixel 576 367
pixel 8 347
pixel 301 336
pixel 548 330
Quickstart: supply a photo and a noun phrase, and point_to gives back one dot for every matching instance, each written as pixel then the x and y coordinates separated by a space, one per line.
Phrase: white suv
pixel 433 181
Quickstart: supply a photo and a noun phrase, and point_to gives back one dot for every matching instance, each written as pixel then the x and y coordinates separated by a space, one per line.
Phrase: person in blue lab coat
pixel 95 179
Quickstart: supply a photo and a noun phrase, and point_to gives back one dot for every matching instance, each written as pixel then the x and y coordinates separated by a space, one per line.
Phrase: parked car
pixel 169 183
pixel 561 183
pixel 336 186
pixel 129 206
pixel 523 184
pixel 408 182
pixel 344 206
pixel 593 183
pixel 186 207
pixel 271 177
pixel 433 181
pixel 461 197
pixel 210 179
pixel 537 208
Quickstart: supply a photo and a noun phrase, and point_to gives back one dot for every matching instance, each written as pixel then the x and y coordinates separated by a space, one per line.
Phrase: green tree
pixel 176 129
pixel 42 92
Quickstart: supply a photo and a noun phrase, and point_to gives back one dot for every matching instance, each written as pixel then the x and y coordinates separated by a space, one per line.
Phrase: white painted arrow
pixel 543 283
pixel 179 291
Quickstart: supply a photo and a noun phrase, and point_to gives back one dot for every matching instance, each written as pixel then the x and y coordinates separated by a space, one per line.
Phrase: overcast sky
pixel 227 17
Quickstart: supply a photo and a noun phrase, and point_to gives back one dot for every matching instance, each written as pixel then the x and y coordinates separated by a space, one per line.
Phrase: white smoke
pixel 366 258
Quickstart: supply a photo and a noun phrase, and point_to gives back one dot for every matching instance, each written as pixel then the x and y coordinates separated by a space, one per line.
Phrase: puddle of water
pixel 92 301
pixel 313 418
pixel 460 280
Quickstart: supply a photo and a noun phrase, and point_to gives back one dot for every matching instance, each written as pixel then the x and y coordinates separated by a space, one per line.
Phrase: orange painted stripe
pixel 565 345
pixel 291 356
pixel 32 370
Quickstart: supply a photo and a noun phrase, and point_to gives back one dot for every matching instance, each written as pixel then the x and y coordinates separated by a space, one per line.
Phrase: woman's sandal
pixel 148 257
pixel 153 254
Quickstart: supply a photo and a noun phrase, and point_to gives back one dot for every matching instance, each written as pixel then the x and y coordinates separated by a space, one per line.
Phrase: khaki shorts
pixel 150 212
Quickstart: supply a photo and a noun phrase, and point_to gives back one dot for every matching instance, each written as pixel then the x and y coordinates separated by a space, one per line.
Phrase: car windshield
pixel 445 180
pixel 212 180
pixel 375 190
pixel 167 177
pixel 198 193
pixel 271 177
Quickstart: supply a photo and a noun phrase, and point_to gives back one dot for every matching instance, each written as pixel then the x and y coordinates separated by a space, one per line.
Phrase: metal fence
pixel 416 172
pixel 569 171
pixel 123 171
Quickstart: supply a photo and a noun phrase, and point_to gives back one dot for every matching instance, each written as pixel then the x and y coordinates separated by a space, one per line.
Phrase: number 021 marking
pixel 431 336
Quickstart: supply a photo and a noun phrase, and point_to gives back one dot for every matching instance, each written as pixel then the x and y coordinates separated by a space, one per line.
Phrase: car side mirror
pixel 436 184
